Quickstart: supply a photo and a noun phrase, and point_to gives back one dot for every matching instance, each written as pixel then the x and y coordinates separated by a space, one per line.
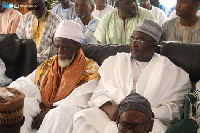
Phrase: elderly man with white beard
pixel 61 78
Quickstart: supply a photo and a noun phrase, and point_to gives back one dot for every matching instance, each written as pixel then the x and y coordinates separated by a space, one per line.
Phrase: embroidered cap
pixel 11 106
pixel 135 101
pixel 150 28
pixel 69 29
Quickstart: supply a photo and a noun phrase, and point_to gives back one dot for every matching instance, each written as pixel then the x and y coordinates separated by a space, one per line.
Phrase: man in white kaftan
pixel 39 25
pixel 65 9
pixel 101 8
pixel 59 80
pixel 84 9
pixel 151 75
pixel 159 13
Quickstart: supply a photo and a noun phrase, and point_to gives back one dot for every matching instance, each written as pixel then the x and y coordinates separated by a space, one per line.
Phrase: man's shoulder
pixel 171 22
pixel 110 16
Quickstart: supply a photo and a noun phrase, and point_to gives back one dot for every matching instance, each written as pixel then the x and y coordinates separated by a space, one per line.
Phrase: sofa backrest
pixel 186 56
pixel 19 55
pixel 99 52
pixel 183 55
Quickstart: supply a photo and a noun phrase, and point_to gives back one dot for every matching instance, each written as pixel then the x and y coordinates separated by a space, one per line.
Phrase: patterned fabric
pixel 88 30
pixel 38 27
pixel 71 78
pixel 58 84
pixel 46 47
pixel 197 105
pixel 9 20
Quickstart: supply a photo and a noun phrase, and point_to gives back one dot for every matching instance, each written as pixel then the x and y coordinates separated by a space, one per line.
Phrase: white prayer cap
pixel 69 29
pixel 150 28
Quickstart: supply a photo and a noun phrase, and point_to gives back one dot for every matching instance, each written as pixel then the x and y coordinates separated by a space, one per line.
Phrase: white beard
pixel 65 63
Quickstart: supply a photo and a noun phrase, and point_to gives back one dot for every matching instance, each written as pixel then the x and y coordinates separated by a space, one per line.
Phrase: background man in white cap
pixel 57 79
pixel 135 114
pixel 151 75
pixel 40 25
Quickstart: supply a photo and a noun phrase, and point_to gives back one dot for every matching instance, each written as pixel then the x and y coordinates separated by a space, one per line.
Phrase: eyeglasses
pixel 34 7
pixel 137 128
pixel 140 42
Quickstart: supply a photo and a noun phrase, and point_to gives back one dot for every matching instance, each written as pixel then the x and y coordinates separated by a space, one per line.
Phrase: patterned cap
pixel 150 28
pixel 11 106
pixel 135 101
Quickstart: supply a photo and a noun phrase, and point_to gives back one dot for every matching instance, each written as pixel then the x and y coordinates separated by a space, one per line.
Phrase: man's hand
pixel 38 120
pixel 111 110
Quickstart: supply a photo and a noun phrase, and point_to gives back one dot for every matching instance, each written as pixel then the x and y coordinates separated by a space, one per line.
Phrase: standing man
pixel 40 25
pixel 101 8
pixel 84 9
pixel 65 9
pixel 9 19
pixel 117 26
pixel 159 14
pixel 142 71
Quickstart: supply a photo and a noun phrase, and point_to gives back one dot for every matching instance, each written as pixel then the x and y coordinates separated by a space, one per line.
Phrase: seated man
pixel 101 8
pixel 57 78
pixel 11 110
pixel 9 19
pixel 40 25
pixel 184 28
pixel 159 14
pixel 135 114
pixel 65 9
pixel 84 9
pixel 117 26
pixel 151 75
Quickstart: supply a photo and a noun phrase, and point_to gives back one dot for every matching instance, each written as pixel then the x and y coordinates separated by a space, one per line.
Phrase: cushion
pixel 99 52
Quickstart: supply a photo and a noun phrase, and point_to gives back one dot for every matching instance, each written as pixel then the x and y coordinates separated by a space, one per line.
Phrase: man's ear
pixel 92 6
pixel 155 47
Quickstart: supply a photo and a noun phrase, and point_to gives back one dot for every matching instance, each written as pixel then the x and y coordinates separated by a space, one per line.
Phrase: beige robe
pixel 9 20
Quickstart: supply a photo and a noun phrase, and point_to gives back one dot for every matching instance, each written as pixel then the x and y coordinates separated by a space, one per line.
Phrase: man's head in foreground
pixel 67 37
pixel 135 115
pixel 11 110
pixel 144 40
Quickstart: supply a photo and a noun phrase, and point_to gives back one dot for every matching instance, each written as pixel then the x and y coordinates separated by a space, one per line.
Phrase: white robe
pixel 59 119
pixel 159 14
pixel 100 13
pixel 161 82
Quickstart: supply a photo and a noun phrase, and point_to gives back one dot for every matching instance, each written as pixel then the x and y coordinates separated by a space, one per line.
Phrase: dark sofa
pixel 19 55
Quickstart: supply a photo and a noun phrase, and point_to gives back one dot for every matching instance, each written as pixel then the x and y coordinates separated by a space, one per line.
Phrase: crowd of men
pixel 140 91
